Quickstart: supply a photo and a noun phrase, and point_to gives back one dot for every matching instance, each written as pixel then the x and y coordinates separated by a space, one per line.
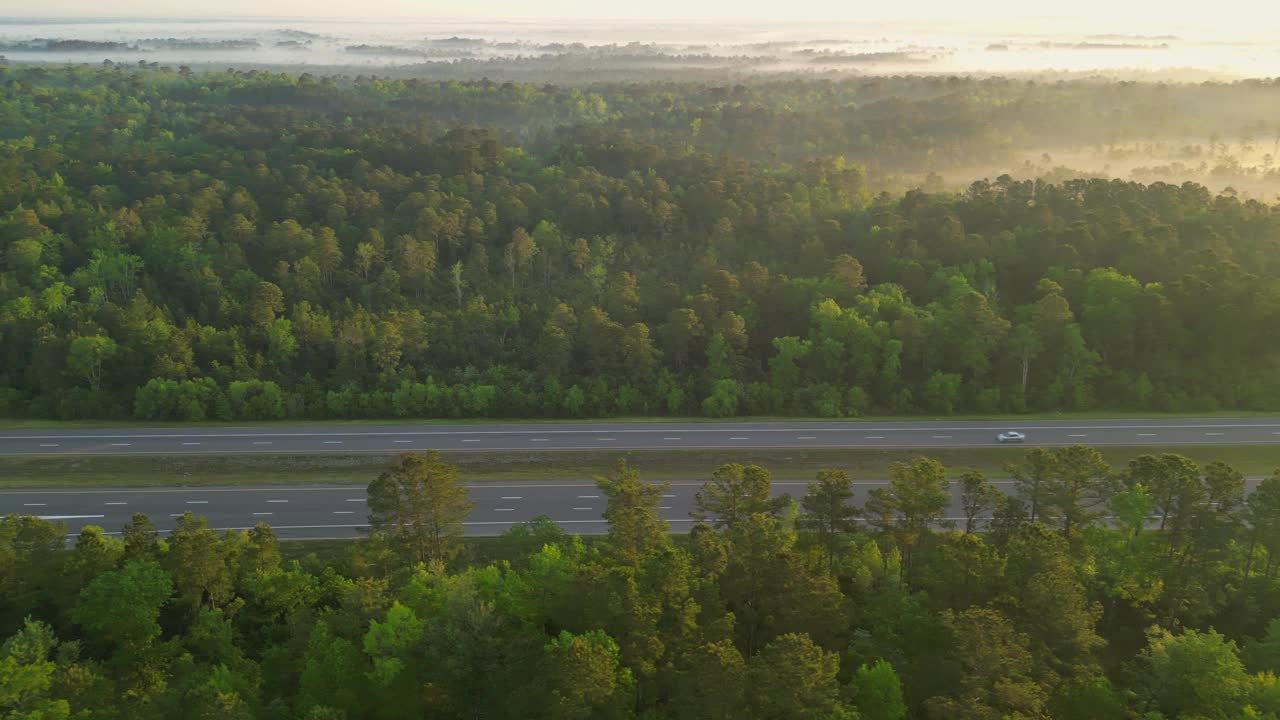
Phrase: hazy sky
pixel 1133 16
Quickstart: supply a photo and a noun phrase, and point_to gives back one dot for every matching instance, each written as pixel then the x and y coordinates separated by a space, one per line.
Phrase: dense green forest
pixel 250 246
pixel 1085 594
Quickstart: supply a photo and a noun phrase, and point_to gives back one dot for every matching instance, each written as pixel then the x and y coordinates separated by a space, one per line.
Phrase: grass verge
pixel 25 424
pixel 359 469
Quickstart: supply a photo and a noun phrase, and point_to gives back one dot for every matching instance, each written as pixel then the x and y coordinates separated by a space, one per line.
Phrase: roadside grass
pixel 689 465
pixel 27 424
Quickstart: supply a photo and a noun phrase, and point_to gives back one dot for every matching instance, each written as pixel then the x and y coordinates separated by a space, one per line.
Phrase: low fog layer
pixel 492 47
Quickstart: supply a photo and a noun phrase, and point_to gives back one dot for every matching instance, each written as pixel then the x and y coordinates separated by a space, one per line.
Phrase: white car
pixel 1011 436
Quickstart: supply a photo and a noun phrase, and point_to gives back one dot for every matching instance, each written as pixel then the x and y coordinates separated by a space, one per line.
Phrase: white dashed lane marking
pixel 197 502
pixel 262 442
pixel 33 504
pixel 117 503
pixel 277 501
pixel 582 508
pixel 342 512
pixel 511 497
pixel 48 444
pixel 873 437
pixel 121 444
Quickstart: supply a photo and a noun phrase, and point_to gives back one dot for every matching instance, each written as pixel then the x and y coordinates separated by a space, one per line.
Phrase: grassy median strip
pixel 999 419
pixel 359 469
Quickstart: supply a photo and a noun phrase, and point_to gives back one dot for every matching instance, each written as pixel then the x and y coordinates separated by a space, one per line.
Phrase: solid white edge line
pixel 473 522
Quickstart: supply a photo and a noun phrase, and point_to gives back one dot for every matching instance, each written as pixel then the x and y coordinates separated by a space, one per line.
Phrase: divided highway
pixel 627 436
pixel 340 511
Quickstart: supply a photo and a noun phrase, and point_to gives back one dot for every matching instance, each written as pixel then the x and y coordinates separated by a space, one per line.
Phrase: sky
pixel 1124 15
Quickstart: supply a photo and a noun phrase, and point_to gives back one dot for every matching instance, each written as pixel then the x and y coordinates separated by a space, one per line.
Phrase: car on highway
pixel 1011 436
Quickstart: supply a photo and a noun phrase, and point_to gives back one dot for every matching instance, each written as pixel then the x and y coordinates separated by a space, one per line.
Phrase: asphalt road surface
pixel 340 511
pixel 628 436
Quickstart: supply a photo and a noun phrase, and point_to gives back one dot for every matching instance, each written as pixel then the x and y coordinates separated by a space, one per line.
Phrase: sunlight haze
pixel 1129 16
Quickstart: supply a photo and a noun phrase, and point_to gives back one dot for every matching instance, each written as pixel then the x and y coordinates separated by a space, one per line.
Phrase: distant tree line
pixel 251 246
pixel 1149 592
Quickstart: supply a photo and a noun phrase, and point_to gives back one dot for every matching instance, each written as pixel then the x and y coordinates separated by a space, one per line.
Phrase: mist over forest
pixel 1157 106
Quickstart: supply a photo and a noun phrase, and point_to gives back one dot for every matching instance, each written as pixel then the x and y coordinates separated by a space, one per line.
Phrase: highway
pixel 317 439
pixel 335 511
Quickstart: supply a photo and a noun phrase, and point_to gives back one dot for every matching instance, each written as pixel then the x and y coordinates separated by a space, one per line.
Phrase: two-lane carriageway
pixel 534 437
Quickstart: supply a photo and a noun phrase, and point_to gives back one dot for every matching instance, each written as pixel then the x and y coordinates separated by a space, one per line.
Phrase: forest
pixel 182 246
pixel 1080 593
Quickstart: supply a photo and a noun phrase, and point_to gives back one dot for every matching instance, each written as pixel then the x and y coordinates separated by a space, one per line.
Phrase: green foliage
pixel 504 250
pixel 123 606
pixel 1196 674
pixel 877 692
pixel 419 505
pixel 28 673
